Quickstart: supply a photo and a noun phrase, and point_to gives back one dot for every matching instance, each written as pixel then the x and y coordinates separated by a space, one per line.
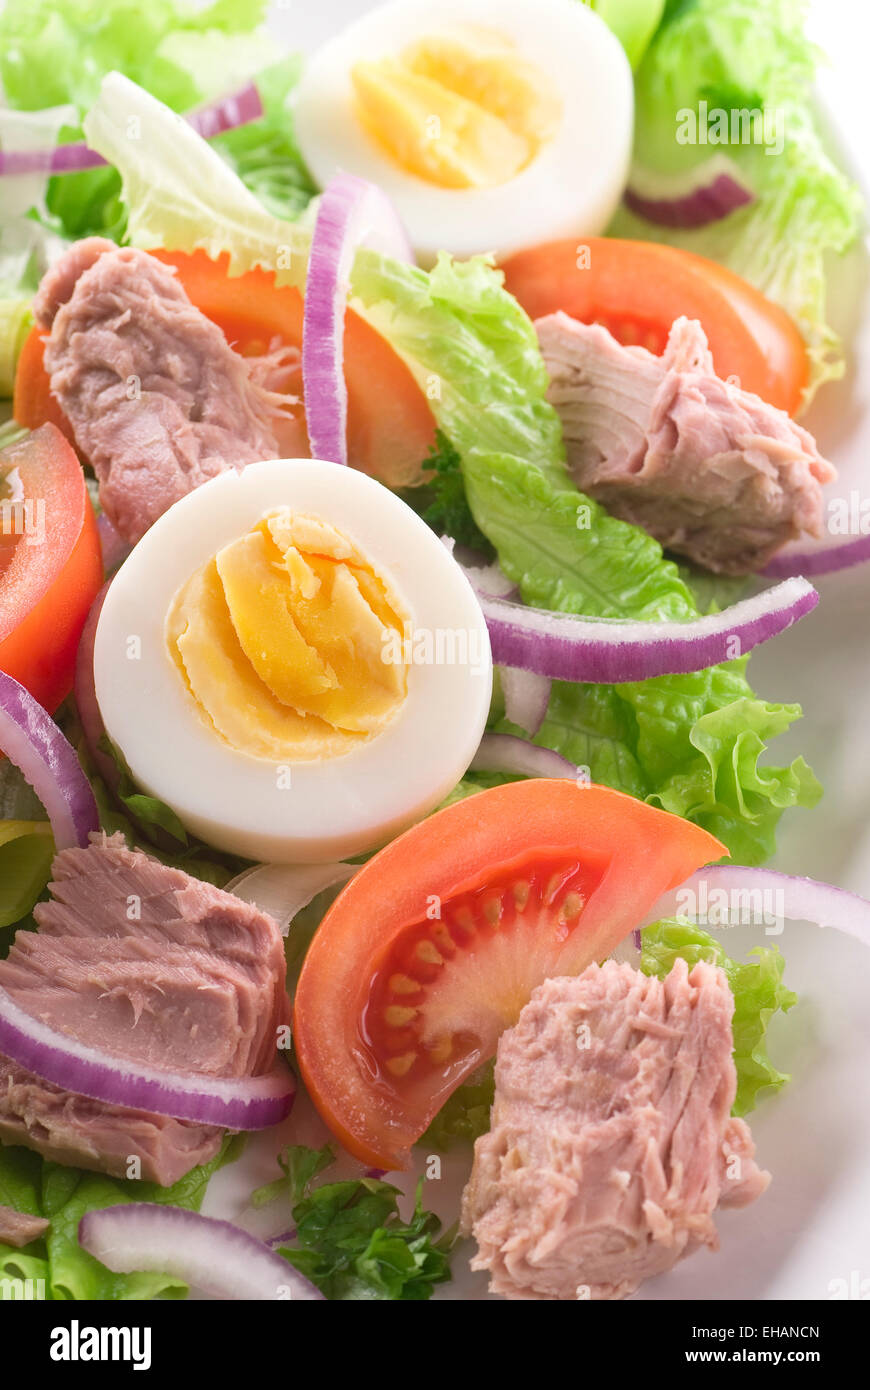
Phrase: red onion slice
pixel 247 1103
pixel 225 114
pixel 32 741
pixel 213 1257
pixel 689 199
pixel 282 890
pixel 787 897
pixel 509 754
pixel 352 214
pixel 603 652
pixel 828 559
pixel 240 108
pixel 115 549
pixel 526 697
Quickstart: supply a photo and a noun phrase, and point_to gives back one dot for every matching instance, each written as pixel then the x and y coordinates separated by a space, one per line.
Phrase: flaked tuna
pixel 20 1228
pixel 710 470
pixel 148 964
pixel 157 399
pixel 612 1140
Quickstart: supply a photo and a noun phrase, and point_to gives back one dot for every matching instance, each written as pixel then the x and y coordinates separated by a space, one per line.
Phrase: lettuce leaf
pixel 26 852
pixel 57 51
pixel 758 991
pixel 633 22
pixel 735 55
pixel 62 1195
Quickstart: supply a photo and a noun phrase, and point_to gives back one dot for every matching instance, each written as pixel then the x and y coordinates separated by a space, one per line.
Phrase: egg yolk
pixel 286 640
pixel 460 110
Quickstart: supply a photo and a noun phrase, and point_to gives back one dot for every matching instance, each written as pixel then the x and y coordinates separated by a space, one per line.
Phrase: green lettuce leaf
pixel 264 153
pixel 55 52
pixel 741 55
pixel 26 852
pixel 29 1183
pixel 758 991
pixel 633 22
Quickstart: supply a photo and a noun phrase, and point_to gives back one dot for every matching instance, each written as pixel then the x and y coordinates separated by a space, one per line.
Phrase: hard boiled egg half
pixel 491 124
pixel 293 662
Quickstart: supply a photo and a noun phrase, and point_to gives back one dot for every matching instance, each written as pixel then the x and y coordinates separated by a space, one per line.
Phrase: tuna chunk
pixel 148 964
pixel 157 399
pixel 612 1141
pixel 710 470
pixel 20 1228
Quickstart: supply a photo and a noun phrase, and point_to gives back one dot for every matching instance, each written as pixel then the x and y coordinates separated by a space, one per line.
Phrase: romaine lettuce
pixel 741 55
pixel 758 991
pixel 29 1183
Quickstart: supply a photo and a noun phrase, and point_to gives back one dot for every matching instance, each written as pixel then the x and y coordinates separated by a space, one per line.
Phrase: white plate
pixel 812 1227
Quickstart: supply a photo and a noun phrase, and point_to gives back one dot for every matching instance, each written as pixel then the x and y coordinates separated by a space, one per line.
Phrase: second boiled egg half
pixel 293 662
pixel 491 124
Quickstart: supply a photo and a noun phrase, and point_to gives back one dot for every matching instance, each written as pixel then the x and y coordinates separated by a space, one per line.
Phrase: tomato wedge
pixel 51 565
pixel 637 288
pixel 390 427
pixel 433 948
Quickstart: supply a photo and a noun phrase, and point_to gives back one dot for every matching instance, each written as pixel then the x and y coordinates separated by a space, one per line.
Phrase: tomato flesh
pixel 436 944
pixel 449 985
pixel 636 289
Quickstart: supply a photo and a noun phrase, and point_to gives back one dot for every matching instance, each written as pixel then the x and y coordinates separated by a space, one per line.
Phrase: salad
pixel 405 453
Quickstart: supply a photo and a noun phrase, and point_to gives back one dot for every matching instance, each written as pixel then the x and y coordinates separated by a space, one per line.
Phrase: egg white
pixel 573 186
pixel 332 808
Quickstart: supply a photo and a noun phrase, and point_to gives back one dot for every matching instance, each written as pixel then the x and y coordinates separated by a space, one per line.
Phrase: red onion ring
pixel 255 1102
pixel 526 697
pixel 213 1257
pixel 226 114
pixel 564 647
pixel 352 213
pixel 115 549
pixel 825 560
pixel 33 742
pixel 704 194
pixel 509 754
pixel 802 900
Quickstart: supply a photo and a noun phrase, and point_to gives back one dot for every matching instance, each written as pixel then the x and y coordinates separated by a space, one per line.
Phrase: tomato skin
pixel 33 404
pixel 47 590
pixel 390 427
pixel 636 289
pixel 632 852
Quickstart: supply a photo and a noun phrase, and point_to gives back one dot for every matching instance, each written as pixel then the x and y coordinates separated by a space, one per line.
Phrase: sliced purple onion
pixel 605 652
pixel 829 559
pixel 32 741
pixel 240 108
pixel 214 1257
pixel 352 214
pixel 526 697
pixel 794 899
pixel 115 549
pixel 509 754
pixel 254 1102
pixel 691 198
pixel 225 114
pixel 282 890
